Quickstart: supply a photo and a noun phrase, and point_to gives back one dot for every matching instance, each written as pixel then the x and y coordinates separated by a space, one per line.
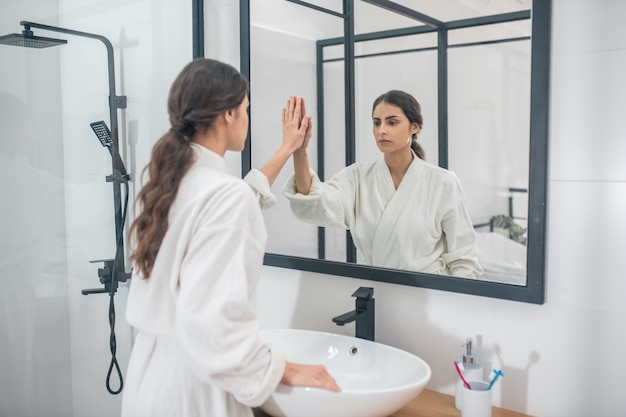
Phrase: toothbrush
pixel 497 373
pixel 459 367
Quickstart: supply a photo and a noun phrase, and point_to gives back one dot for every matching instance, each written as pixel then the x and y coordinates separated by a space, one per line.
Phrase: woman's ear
pixel 415 128
pixel 229 116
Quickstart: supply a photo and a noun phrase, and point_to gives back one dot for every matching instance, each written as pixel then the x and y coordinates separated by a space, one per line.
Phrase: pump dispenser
pixel 472 371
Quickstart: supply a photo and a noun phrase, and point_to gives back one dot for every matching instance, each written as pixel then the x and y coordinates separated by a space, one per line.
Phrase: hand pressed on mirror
pixel 403 212
pixel 295 128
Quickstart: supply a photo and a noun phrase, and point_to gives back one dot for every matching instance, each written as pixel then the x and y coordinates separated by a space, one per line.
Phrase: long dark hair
pixel 412 110
pixel 203 90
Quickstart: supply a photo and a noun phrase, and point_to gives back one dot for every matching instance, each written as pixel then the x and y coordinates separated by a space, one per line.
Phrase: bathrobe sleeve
pixel 261 187
pixel 328 204
pixel 215 321
pixel 460 238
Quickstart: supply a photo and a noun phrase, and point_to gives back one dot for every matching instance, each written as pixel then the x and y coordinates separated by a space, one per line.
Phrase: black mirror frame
pixel 534 290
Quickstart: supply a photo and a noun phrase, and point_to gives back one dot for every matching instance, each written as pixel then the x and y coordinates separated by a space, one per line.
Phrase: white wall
pixel 563 358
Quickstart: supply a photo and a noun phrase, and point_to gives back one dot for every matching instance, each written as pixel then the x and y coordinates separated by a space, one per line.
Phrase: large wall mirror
pixel 480 71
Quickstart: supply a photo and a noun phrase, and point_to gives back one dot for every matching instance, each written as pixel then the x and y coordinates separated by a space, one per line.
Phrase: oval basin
pixel 376 379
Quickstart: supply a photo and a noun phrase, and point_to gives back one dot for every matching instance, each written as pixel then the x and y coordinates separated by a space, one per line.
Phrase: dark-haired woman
pixel 402 212
pixel 199 241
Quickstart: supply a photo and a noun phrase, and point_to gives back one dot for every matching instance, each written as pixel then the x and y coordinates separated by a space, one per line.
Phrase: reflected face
pixel 392 129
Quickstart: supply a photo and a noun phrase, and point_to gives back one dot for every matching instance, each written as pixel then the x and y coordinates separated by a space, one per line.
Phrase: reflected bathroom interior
pixel 490 94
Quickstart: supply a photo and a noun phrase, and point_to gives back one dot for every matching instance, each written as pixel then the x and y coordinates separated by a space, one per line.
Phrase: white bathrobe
pixel 422 226
pixel 198 351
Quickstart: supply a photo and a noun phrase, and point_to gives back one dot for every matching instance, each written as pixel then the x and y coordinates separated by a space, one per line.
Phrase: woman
pixel 402 211
pixel 200 241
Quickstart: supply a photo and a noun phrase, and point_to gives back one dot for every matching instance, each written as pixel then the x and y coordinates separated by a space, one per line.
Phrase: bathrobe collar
pixel 205 156
pixel 412 170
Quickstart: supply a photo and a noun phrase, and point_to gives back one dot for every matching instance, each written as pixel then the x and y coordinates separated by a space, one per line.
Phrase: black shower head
pixel 104 136
pixel 102 132
pixel 28 40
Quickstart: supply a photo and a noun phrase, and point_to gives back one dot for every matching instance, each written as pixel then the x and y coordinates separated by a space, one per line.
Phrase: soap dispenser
pixel 472 371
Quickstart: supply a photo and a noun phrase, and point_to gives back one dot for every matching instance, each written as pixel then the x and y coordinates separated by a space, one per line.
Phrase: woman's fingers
pixel 304 125
pixel 327 381
pixel 294 110
pixel 298 110
pixel 297 126
pixel 309 376
pixel 289 111
pixel 303 107
pixel 322 379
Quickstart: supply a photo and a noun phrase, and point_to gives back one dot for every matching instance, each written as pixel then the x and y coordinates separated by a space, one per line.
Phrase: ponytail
pixel 171 158
pixel 417 148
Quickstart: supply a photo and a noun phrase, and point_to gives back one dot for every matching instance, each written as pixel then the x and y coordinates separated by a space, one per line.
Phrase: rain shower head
pixel 28 40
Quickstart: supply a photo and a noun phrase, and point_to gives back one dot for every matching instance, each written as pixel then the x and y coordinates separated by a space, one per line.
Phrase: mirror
pixel 480 73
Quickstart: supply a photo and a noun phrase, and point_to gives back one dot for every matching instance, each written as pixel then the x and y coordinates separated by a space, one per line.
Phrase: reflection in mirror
pixel 475 97
pixel 402 211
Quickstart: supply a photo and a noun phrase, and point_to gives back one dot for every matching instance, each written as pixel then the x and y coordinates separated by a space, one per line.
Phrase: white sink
pixel 376 380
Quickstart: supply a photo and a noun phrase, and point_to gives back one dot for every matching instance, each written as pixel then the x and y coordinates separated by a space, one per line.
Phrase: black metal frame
pixel 197 28
pixel 534 290
pixel 114 270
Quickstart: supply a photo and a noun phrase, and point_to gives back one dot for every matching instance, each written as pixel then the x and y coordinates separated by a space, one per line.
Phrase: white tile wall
pixel 585 26
pixel 586 243
pixel 587 136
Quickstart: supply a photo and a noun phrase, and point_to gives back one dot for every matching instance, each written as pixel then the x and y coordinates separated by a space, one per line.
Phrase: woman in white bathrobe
pixel 199 243
pixel 402 212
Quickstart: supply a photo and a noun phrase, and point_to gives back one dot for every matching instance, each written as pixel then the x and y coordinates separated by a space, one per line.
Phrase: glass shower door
pixel 57 206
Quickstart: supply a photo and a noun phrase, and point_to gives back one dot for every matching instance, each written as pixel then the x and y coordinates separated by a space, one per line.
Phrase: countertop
pixel 432 404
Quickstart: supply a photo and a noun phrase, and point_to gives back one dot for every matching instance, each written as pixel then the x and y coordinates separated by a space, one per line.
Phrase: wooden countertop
pixel 432 404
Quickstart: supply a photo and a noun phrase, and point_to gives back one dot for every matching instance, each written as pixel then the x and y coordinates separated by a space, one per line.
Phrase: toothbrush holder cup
pixel 477 402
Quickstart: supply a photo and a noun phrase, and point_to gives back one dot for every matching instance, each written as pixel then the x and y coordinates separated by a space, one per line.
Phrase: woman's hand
pixel 317 376
pixel 296 134
pixel 297 126
pixel 309 130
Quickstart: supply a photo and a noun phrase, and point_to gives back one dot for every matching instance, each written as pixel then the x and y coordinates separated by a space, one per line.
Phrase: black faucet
pixel 363 314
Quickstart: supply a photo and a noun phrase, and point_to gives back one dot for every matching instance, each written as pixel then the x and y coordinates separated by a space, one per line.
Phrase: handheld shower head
pixel 28 40
pixel 102 132
pixel 104 136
